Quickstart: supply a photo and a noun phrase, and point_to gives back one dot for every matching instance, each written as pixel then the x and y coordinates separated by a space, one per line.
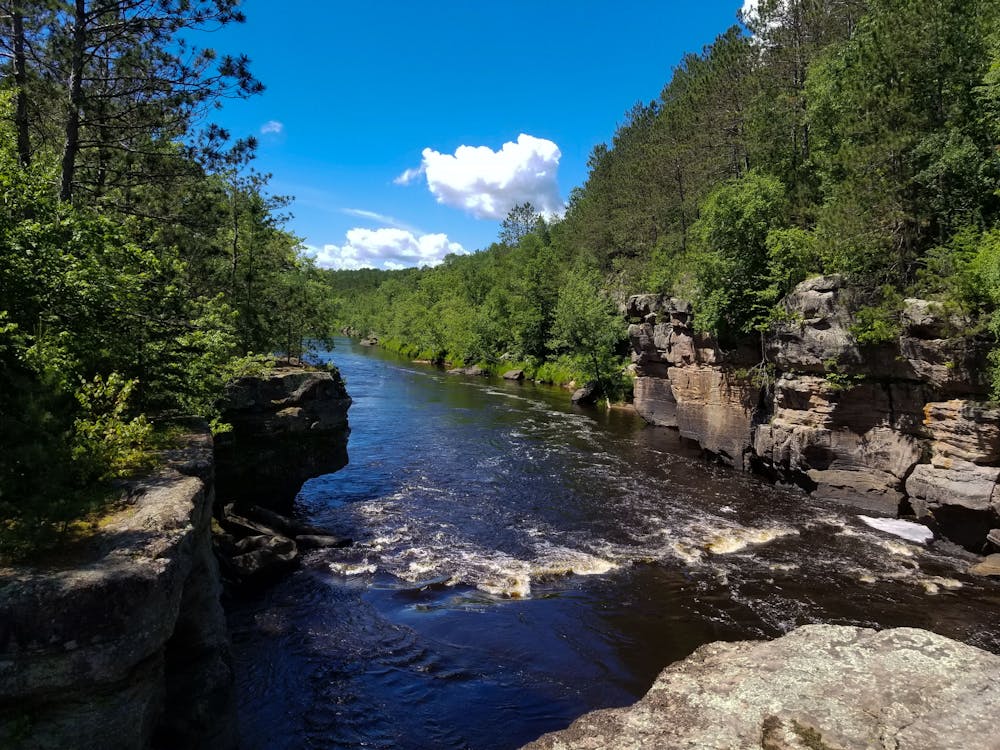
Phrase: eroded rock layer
pixel 897 425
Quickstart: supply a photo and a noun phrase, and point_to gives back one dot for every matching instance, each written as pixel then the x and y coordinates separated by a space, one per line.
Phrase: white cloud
pixel 409 175
pixel 488 183
pixel 387 248
pixel 272 127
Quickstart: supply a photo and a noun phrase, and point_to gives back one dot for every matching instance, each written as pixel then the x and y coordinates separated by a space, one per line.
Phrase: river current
pixel 520 561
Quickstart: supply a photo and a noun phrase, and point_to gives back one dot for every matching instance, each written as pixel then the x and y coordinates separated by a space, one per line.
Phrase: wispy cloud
pixel 409 175
pixel 387 248
pixel 388 221
pixel 272 127
pixel 488 183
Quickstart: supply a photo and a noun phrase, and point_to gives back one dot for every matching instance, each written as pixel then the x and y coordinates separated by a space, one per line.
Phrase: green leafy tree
pixel 587 324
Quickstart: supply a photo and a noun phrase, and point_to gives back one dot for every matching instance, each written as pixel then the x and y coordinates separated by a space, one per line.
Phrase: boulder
pixel 288 425
pixel 262 557
pixel 820 687
pixel 957 483
pixel 514 375
pixel 474 370
pixel 585 395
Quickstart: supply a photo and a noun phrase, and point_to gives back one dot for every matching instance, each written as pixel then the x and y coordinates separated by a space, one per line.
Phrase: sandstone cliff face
pixel 820 687
pixel 287 426
pixel 123 643
pixel 876 427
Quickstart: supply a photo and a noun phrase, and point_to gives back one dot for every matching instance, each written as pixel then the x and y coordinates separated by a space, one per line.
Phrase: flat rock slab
pixel 990 566
pixel 821 687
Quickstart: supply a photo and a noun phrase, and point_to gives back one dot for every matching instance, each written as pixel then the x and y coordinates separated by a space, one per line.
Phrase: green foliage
pixel 586 322
pixel 731 253
pixel 107 444
pixel 880 323
pixel 137 274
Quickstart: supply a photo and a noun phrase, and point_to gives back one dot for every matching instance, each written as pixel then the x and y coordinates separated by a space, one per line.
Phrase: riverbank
pixel 119 639
pixel 901 427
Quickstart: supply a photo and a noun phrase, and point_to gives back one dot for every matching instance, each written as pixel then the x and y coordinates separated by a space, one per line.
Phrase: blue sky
pixel 360 93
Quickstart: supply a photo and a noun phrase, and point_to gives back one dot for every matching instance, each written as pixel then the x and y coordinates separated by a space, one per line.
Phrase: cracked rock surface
pixel 820 687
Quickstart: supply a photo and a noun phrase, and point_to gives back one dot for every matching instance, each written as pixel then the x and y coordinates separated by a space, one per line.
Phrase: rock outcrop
pixel 820 687
pixel 287 426
pixel 121 641
pixel 897 425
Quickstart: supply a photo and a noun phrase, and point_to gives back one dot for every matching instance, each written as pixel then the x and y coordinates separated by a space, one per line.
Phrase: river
pixel 520 561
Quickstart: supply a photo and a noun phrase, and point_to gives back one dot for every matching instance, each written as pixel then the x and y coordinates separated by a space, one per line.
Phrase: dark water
pixel 521 561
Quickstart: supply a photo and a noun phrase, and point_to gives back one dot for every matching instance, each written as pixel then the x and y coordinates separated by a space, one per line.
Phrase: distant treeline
pixel 142 261
pixel 819 136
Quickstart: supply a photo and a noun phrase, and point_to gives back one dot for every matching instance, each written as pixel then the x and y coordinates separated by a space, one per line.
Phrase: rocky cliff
pixel 821 687
pixel 896 426
pixel 121 642
pixel 287 426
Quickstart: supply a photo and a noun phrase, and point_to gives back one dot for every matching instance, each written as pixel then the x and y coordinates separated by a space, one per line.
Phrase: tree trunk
pixel 21 81
pixel 72 145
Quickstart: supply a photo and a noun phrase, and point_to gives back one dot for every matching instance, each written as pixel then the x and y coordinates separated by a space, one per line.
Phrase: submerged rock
pixel 820 687
pixel 474 370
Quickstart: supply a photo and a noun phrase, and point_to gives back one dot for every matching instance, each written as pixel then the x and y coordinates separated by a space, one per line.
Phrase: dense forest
pixel 818 136
pixel 142 260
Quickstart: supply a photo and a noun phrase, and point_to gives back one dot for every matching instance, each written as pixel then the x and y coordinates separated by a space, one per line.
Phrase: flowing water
pixel 520 561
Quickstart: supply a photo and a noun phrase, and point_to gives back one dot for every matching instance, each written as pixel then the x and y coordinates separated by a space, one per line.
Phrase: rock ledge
pixel 820 687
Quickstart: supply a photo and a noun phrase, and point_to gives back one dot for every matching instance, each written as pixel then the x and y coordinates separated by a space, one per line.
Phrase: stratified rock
pixel 935 348
pixel 964 430
pixel 821 687
pixel 990 566
pixel 860 424
pixel 514 375
pixel 715 407
pixel 123 642
pixel 852 444
pixel 287 426
pixel 654 401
